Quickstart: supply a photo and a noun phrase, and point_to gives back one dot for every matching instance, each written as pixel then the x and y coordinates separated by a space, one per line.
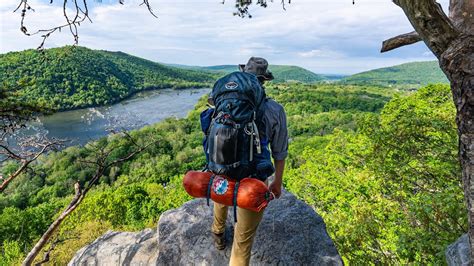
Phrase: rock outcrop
pixel 291 233
pixel 120 248
pixel 457 253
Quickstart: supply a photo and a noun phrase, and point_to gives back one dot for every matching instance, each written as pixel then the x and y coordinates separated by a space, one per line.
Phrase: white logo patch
pixel 220 185
pixel 231 85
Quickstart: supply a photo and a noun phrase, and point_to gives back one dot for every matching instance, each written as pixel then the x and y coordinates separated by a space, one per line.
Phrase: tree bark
pixel 457 62
pixel 400 40
pixel 452 41
pixel 431 23
pixel 461 12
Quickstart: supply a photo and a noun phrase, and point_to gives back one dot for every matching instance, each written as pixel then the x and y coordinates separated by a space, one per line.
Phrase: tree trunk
pixel 461 13
pixel 458 64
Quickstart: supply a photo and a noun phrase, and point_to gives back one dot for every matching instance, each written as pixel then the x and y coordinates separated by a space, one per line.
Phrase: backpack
pixel 233 144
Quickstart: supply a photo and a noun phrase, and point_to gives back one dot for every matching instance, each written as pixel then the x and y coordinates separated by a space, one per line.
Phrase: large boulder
pixel 120 248
pixel 457 253
pixel 291 233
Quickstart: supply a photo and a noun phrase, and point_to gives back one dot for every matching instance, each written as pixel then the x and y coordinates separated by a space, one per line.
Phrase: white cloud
pixel 321 35
pixel 324 53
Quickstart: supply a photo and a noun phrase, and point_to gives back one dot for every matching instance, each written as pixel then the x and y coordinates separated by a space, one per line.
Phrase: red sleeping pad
pixel 252 194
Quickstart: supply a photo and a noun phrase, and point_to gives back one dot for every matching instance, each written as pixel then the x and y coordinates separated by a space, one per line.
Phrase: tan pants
pixel 244 232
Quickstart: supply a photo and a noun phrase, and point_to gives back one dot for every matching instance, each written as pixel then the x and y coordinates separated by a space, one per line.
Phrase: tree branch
pixel 53 245
pixel 430 22
pixel 78 197
pixel 24 162
pixel 102 166
pixel 400 40
pixel 80 13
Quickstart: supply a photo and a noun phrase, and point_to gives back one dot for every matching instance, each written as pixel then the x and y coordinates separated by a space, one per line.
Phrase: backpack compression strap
pixel 208 193
pixel 236 189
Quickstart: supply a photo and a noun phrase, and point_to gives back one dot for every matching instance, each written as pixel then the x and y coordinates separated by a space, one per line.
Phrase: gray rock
pixel 457 253
pixel 119 248
pixel 291 233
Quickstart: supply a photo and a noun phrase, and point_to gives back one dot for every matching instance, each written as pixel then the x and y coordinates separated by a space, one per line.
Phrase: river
pixel 144 108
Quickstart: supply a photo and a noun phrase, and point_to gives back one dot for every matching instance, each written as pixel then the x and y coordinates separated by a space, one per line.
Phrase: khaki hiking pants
pixel 244 231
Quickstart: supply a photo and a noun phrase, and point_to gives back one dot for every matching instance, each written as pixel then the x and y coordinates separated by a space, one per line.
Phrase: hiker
pixel 269 130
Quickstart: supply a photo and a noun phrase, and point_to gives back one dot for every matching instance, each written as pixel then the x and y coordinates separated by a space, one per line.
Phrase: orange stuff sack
pixel 252 194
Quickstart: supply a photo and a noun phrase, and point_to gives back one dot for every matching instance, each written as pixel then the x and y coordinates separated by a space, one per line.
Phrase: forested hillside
pixel 385 179
pixel 282 73
pixel 75 77
pixel 409 75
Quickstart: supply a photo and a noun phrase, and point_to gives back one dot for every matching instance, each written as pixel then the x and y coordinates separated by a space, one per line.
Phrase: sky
pixel 324 36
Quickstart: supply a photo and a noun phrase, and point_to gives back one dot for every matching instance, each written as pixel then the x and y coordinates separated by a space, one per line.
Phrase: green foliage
pixel 75 238
pixel 15 107
pixel 76 77
pixel 10 253
pixel 314 111
pixel 293 74
pixel 409 75
pixel 384 176
pixel 390 192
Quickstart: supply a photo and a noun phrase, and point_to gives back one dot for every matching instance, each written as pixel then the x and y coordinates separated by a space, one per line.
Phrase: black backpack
pixel 233 139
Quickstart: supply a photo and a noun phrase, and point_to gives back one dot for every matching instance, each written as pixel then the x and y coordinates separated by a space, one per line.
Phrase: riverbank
pixel 131 95
pixel 143 108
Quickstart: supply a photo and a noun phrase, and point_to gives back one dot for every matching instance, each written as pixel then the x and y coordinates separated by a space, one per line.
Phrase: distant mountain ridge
pixel 282 73
pixel 76 77
pixel 414 74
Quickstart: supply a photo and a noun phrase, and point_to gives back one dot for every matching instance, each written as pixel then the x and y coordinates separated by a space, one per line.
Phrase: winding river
pixel 144 108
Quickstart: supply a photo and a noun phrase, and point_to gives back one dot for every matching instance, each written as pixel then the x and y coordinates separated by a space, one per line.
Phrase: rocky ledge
pixel 457 254
pixel 291 233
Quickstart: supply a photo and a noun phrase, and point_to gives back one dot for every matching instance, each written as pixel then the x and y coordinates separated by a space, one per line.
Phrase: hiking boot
pixel 219 240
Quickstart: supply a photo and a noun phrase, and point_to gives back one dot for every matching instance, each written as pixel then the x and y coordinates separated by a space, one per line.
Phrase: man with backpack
pixel 244 123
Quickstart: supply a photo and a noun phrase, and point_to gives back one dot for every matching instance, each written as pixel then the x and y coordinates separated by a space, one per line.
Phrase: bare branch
pixel 128 157
pixel 400 40
pixel 148 6
pixel 78 197
pixel 430 22
pixel 14 175
pixel 47 253
pixel 5 150
pixel 79 11
pixel 25 160
pixel 102 166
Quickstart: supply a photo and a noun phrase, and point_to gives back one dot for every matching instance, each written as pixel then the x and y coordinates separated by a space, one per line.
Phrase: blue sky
pixel 325 36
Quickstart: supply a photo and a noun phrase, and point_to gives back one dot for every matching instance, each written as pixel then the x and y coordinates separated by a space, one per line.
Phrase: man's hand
pixel 275 187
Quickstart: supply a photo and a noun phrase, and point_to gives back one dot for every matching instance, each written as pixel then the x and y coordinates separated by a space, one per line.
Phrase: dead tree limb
pixel 79 195
pixel 400 40
pixel 54 243
pixel 431 23
pixel 80 13
pixel 25 160
pixel 102 164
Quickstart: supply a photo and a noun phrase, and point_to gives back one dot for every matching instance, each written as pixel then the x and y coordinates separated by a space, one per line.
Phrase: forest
pixel 59 76
pixel 411 75
pixel 380 165
pixel 282 73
